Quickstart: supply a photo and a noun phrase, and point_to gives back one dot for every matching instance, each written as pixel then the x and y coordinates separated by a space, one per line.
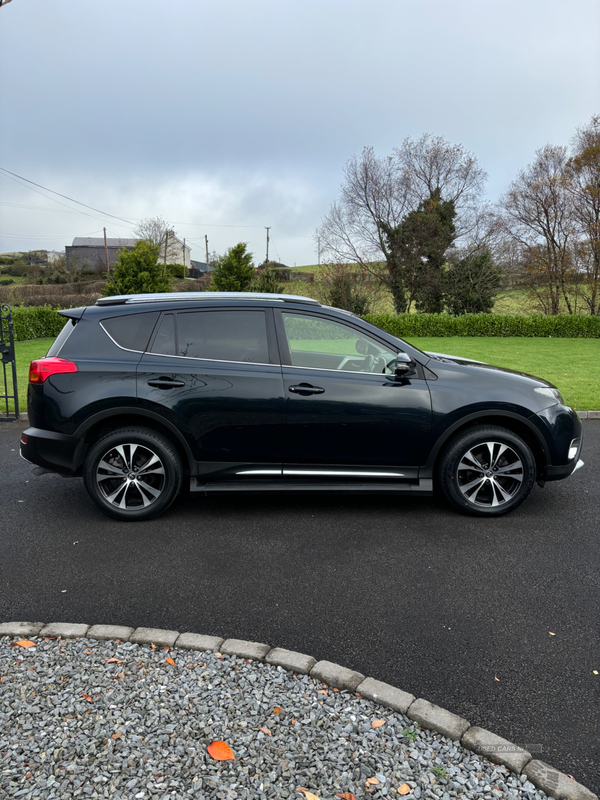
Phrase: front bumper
pixel 53 451
pixel 558 473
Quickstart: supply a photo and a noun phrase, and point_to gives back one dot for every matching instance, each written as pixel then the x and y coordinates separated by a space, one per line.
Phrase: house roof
pixel 84 241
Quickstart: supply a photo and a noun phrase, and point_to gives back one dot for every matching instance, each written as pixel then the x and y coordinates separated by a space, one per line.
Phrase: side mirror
pixel 405 366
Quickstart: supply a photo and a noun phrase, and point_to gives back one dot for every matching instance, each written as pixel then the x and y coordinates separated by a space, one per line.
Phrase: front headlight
pixel 553 394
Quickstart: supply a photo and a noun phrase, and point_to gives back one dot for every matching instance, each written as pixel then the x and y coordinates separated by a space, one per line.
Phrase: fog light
pixel 574 448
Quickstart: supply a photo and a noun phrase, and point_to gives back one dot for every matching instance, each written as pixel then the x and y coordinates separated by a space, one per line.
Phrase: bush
pixel 31 322
pixel 176 270
pixel 562 326
pixel 137 272
pixel 6 281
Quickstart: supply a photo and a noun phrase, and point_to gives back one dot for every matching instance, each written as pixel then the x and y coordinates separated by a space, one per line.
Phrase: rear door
pixel 215 374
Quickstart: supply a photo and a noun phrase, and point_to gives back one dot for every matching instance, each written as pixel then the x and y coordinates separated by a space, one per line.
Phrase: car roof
pixel 178 297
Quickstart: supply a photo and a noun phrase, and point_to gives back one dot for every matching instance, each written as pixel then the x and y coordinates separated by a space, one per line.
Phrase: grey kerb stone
pixel 289 659
pixel 20 628
pixel 385 695
pixel 238 647
pixel 154 636
pixel 64 629
pixel 336 676
pixel 556 783
pixel 195 641
pixel 495 748
pixel 106 632
pixel 438 719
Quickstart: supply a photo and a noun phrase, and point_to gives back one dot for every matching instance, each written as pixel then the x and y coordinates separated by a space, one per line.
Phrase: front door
pixel 346 411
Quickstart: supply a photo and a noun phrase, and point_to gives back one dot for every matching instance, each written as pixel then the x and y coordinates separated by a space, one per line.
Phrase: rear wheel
pixel 487 471
pixel 133 473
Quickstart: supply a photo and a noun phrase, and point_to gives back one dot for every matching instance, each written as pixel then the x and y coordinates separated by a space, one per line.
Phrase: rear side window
pixel 62 337
pixel 223 336
pixel 131 331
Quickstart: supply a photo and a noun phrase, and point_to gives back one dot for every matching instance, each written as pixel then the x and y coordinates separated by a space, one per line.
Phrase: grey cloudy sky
pixel 224 116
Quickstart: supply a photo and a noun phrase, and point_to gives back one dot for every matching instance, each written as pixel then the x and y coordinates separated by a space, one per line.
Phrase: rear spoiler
pixel 72 313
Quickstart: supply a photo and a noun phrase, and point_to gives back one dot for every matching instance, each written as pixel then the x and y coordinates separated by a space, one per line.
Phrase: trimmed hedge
pixel 36 322
pixel 562 326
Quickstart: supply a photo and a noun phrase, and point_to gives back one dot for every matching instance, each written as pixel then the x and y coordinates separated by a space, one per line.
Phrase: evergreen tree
pixel 417 250
pixel 265 280
pixel 137 272
pixel 234 271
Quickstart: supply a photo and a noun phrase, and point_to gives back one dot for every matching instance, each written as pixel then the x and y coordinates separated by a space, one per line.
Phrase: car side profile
pixel 140 394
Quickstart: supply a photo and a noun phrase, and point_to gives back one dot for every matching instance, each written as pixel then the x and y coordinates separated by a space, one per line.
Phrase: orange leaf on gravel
pixel 266 731
pixel 220 751
pixel 112 660
pixel 25 643
pixel 308 795
pixel 377 723
pixel 371 782
pixel 116 735
pixel 404 789
pixel 277 710
pixel 170 661
pixel 346 796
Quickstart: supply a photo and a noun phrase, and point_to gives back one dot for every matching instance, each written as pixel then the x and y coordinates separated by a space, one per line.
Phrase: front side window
pixel 325 344
pixel 223 335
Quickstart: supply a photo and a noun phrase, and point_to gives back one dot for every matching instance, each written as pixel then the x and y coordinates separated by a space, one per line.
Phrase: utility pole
pixel 206 243
pixel 106 253
pixel 184 264
pixel 267 258
pixel 318 250
pixel 166 248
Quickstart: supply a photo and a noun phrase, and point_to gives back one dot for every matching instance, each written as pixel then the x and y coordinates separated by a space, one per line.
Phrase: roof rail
pixel 162 297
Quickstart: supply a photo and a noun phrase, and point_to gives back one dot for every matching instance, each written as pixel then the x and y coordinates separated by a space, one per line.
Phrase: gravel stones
pixel 85 718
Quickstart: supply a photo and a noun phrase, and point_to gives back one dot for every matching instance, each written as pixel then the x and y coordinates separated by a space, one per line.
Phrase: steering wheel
pixel 367 364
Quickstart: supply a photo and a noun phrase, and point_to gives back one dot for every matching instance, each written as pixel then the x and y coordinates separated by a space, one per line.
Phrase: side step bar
pixel 421 487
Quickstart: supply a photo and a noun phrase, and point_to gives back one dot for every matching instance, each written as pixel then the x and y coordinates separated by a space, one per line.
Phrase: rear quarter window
pixel 131 331
pixel 62 337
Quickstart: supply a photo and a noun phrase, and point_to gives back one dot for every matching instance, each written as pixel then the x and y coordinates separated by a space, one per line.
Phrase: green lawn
pixel 571 364
pixel 25 353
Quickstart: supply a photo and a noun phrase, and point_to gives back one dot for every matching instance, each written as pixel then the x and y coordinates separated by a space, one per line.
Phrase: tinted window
pixel 326 344
pixel 131 331
pixel 223 335
pixel 164 341
pixel 61 338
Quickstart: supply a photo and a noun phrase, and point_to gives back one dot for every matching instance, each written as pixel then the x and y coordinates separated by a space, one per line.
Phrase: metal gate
pixel 9 399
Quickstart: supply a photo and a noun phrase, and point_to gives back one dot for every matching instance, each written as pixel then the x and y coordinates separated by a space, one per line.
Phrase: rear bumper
pixel 54 451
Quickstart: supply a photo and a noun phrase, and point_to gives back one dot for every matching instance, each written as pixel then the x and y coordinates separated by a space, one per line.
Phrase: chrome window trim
pixel 120 346
pixel 214 360
pixel 338 371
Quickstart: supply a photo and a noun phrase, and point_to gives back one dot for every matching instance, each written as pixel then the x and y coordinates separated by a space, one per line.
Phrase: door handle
pixel 306 389
pixel 165 383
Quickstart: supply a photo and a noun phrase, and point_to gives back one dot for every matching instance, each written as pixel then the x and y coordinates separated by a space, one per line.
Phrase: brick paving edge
pixel 496 749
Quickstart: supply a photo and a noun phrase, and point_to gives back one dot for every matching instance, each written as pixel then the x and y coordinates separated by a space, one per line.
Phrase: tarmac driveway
pixel 495 620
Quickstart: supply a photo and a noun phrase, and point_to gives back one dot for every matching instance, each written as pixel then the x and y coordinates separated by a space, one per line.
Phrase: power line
pixel 66 197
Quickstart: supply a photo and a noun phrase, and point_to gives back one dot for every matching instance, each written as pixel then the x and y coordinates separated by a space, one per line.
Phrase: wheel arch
pixel 512 422
pixel 104 422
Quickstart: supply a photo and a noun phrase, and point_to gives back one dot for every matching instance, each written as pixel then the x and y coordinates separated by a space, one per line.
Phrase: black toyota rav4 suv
pixel 261 392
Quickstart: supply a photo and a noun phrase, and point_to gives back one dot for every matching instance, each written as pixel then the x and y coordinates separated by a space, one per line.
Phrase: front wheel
pixel 133 473
pixel 487 471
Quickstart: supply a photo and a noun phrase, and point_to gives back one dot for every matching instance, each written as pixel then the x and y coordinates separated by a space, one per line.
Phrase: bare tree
pixel 583 172
pixel 159 232
pixel 537 214
pixel 377 194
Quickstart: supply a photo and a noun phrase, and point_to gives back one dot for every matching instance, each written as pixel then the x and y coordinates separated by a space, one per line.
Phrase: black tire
pixel 487 471
pixel 133 473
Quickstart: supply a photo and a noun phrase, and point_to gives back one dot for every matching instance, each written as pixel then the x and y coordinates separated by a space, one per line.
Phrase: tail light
pixel 45 367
